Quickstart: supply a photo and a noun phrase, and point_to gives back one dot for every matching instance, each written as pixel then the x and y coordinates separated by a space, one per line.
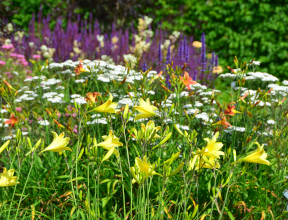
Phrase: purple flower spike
pixel 168 57
pixel 213 59
pixel 144 67
pixel 203 53
pixel 159 54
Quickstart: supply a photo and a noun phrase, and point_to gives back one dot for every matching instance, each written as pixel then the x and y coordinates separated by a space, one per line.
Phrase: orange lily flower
pixel 79 69
pixel 8 85
pixel 243 97
pixel 230 110
pixel 58 124
pixel 187 80
pixel 13 120
pixel 223 121
pixel 92 97
pixel 158 75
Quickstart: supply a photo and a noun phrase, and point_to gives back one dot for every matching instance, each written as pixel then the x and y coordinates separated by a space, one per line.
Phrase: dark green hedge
pixel 248 29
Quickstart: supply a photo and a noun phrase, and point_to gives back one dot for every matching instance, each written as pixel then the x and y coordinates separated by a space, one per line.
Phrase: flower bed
pixel 126 145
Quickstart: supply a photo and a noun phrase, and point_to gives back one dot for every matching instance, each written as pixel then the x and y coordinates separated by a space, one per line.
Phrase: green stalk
pixel 123 190
pixel 27 178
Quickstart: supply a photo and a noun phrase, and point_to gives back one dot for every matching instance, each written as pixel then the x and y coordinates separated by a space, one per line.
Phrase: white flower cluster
pixel 27 96
pixel 183 127
pixel 264 77
pixel 98 121
pixel 35 78
pixel 277 88
pixel 43 122
pixel 78 99
pixel 50 82
pixel 234 128
pixel 54 97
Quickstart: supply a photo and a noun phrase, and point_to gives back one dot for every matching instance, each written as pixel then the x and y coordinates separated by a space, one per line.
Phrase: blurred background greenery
pixel 249 29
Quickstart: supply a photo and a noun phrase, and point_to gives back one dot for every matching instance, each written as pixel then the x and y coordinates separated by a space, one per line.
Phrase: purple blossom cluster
pixel 83 39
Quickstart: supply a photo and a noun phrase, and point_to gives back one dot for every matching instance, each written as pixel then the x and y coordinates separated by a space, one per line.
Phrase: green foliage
pixel 250 29
pixel 25 9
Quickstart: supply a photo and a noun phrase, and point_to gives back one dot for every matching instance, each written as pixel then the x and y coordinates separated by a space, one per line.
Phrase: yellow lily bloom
pixel 258 156
pixel 200 162
pixel 146 110
pixel 3 147
pixel 59 143
pixel 7 178
pixel 108 107
pixel 212 148
pixel 109 142
pixel 142 170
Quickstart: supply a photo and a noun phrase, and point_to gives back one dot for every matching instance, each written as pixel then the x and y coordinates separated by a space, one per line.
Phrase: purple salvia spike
pixel 159 54
pixel 203 53
pixel 216 60
pixel 213 59
pixel 187 54
pixel 168 57
pixel 184 47
pixel 180 51
pixel 144 67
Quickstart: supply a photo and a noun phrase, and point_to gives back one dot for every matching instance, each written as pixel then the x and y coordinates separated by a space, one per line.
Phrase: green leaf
pixel 114 184
pixel 77 178
pixel 81 153
pixel 105 181
pixel 177 169
pixel 194 212
pixel 105 200
pixel 164 140
pixel 63 177
pixel 229 213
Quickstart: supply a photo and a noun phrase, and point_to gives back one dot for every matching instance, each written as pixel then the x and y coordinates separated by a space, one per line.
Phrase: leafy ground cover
pixel 90 139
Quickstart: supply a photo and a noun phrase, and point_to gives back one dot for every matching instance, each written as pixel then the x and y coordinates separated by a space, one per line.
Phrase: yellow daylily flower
pixel 200 162
pixel 146 110
pixel 258 156
pixel 109 142
pixel 212 148
pixel 142 169
pixel 7 178
pixel 59 143
pixel 3 147
pixel 108 107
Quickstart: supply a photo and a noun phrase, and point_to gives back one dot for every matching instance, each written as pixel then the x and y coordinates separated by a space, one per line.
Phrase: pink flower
pixel 20 56
pixel 25 63
pixel 59 115
pixel 36 57
pixel 13 55
pixel 28 71
pixel 67 114
pixel 19 109
pixel 75 129
pixel 2 62
pixel 74 115
pixel 7 47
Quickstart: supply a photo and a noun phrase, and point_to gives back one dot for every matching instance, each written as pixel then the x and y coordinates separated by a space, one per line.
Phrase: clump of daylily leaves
pixel 163 154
